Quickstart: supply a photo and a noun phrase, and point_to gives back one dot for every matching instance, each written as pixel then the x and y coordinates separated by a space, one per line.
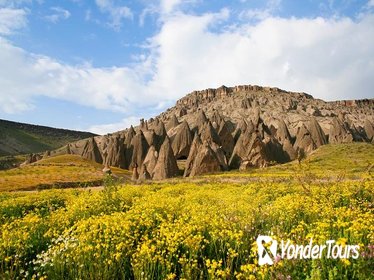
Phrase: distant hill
pixel 20 138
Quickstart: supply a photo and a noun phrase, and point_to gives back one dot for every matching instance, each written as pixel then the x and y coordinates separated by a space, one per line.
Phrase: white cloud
pixel 12 20
pixel 260 14
pixel 109 128
pixel 58 14
pixel 370 3
pixel 328 58
pixel 117 13
pixel 169 5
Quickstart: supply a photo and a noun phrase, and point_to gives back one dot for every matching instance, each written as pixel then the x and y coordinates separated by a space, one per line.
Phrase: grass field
pixel 200 228
pixel 59 171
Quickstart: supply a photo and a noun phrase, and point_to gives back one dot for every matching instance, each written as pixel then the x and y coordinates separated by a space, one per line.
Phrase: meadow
pixel 199 228
pixel 56 172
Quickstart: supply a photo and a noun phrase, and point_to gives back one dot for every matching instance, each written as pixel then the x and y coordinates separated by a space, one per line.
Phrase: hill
pixel 230 128
pixel 65 171
pixel 20 138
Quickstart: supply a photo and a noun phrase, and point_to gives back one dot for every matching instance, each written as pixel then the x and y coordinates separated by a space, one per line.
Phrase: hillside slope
pixel 19 138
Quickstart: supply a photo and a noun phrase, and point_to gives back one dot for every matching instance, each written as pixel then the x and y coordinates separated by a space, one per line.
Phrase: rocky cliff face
pixel 229 128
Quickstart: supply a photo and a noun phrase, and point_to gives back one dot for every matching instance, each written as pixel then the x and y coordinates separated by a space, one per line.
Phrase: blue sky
pixel 102 65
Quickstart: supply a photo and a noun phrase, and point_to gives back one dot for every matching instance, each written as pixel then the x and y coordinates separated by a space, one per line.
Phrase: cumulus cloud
pixel 328 58
pixel 12 20
pixel 58 14
pixel 116 13
pixel 109 128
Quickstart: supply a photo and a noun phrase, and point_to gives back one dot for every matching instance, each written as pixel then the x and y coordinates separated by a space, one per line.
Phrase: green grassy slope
pixel 19 138
pixel 59 171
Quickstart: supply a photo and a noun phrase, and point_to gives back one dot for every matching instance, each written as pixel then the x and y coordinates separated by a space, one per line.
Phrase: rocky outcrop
pixel 201 119
pixel 216 119
pixel 225 132
pixel 31 158
pixel 144 174
pixel 196 143
pixel 139 147
pixel 181 142
pixel 150 160
pixel 339 132
pixel 115 153
pixel 204 159
pixel 317 133
pixel 369 130
pixel 248 126
pixel 166 166
pixel 91 151
pixel 172 123
pixel 209 134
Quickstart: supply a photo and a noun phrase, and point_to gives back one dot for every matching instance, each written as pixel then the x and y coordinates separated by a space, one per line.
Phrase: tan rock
pixel 166 166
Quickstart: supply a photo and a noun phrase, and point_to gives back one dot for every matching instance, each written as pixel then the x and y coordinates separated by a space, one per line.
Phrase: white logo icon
pixel 264 252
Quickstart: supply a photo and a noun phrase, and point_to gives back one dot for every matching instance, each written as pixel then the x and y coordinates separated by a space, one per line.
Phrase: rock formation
pixel 91 151
pixel 139 148
pixel 205 161
pixel 339 133
pixel 181 142
pixel 225 132
pixel 115 152
pixel 166 165
pixel 144 174
pixel 150 160
pixel 172 123
pixel 240 127
pixel 369 130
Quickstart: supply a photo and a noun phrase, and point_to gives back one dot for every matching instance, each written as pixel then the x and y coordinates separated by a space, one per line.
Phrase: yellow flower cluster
pixel 182 231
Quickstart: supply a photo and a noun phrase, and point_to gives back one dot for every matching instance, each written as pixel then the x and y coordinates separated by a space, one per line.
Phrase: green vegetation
pixel 18 138
pixel 8 162
pixel 199 228
pixel 59 171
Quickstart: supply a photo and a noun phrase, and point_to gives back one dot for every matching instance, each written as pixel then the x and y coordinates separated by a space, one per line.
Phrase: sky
pixel 101 65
